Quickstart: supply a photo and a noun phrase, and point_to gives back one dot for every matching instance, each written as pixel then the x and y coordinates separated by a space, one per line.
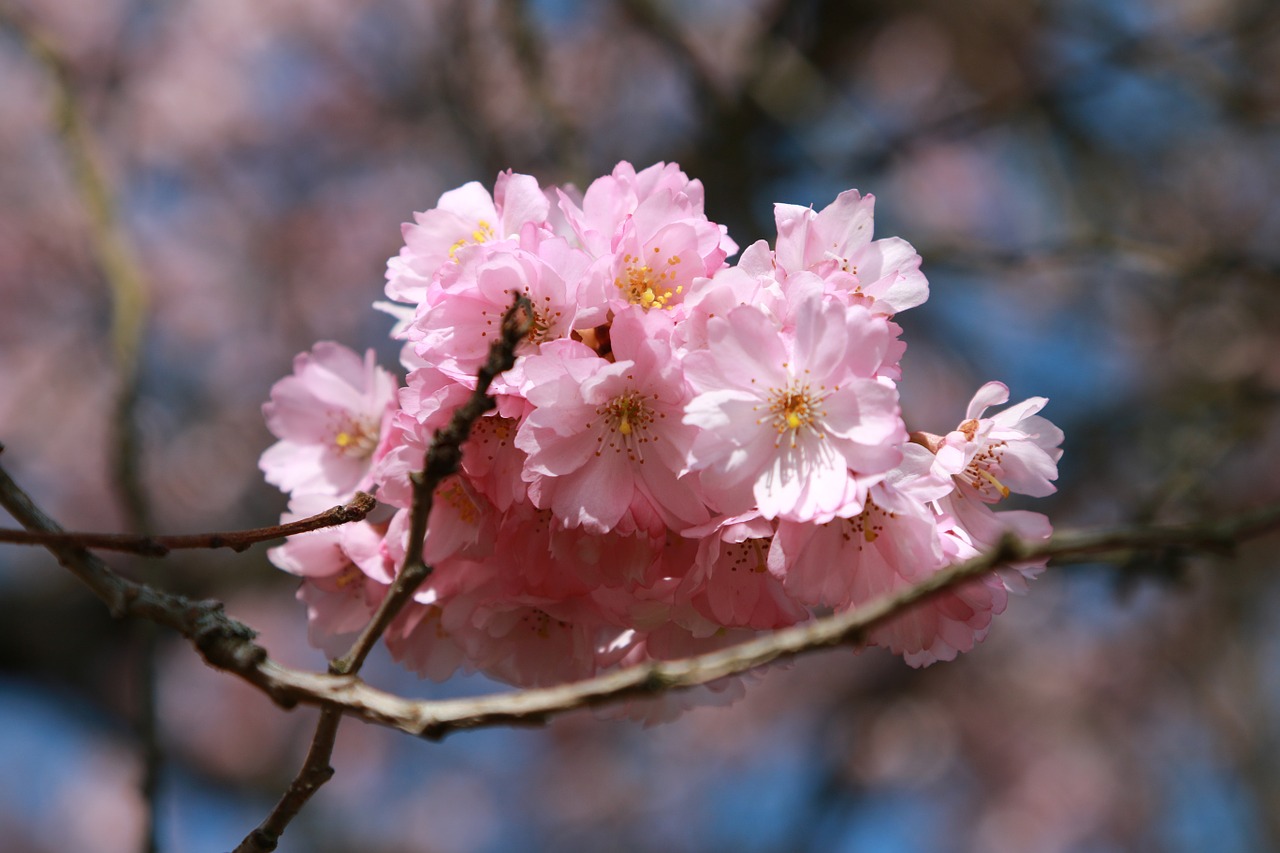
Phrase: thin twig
pixel 315 771
pixel 435 719
pixel 224 642
pixel 158 546
pixel 442 460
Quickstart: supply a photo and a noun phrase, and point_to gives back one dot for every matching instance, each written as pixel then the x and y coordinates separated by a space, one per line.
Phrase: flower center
pixel 644 285
pixel 750 555
pixel 433 615
pixel 544 320
pixel 355 437
pixel 867 526
pixel 349 576
pixel 541 623
pixel 493 429
pixel 797 407
pixel 482 233
pixel 627 420
pixel 979 473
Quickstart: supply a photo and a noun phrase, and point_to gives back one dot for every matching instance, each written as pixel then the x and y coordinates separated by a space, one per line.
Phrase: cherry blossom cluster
pixel 686 452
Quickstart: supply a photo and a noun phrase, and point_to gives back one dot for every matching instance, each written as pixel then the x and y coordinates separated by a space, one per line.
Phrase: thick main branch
pixel 229 645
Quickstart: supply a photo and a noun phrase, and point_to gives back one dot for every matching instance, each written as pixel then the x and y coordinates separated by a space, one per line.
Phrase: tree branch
pixel 315 772
pixel 227 644
pixel 116 258
pixel 442 459
pixel 129 306
pixel 435 719
pixel 158 546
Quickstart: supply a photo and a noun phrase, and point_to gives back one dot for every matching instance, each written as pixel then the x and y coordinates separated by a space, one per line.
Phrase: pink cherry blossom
pixel 459 321
pixel 605 440
pixel 658 194
pixel 825 564
pixel 528 644
pixel 753 280
pixel 490 459
pixel 988 458
pixel 891 545
pixel 683 454
pixel 343 577
pixel 329 417
pixel 730 583
pixel 970 527
pixel 462 217
pixel 461 521
pixel 648 236
pixel 836 242
pixel 418 640
pixel 785 422
pixel 653 271
pixel 1014 450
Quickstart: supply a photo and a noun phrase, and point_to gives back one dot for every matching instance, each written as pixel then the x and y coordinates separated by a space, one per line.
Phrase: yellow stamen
pixel 649 287
pixel 483 232
pixel 987 475
pixel 457 498
pixel 354 437
pixel 797 407
pixel 630 417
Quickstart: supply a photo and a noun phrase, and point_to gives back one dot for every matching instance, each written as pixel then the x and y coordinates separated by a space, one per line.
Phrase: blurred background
pixel 1092 184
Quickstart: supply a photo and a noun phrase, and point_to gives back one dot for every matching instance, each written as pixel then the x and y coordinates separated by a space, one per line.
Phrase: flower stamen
pixel 628 416
pixel 355 437
pixel 483 233
pixel 642 285
pixel 797 407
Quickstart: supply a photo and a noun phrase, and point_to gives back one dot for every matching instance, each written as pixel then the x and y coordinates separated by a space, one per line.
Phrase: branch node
pixel 224 642
pixel 360 505
pixel 655 681
pixel 262 840
pixel 1009 549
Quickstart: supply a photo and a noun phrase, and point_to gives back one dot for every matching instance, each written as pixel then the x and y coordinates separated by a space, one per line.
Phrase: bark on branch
pixel 442 460
pixel 159 546
pixel 229 645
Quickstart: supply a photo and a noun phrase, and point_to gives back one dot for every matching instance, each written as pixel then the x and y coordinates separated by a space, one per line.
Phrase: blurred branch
pixel 224 642
pixel 129 300
pixel 158 546
pixel 442 460
pixel 115 256
pixel 653 20
pixel 520 32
